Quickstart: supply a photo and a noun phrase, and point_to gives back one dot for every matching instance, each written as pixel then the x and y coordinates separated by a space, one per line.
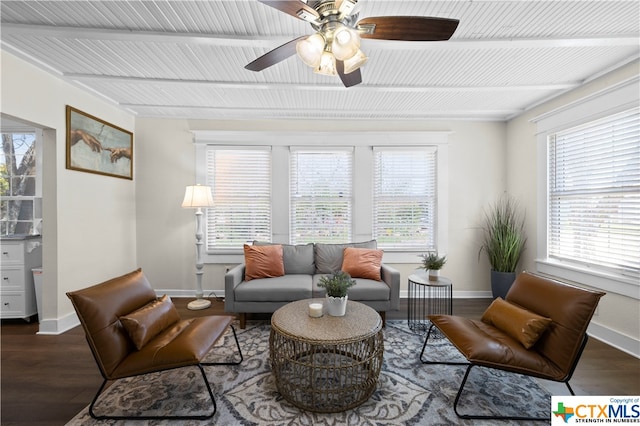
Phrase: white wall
pixel 89 227
pixel 617 318
pixel 166 162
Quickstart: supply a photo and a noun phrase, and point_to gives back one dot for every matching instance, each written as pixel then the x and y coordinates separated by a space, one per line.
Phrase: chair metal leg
pixel 179 417
pixel 478 417
pixel 235 336
pixel 436 362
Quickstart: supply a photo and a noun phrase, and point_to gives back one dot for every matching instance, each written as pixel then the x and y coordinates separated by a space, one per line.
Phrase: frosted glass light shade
pixel 346 43
pixel 355 62
pixel 197 196
pixel 310 49
pixel 327 64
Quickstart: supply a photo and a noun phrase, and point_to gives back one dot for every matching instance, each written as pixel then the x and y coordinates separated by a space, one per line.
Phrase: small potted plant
pixel 433 263
pixel 337 286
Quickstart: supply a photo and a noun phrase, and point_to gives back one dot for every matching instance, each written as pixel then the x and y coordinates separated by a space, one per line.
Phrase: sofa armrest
pixel 391 277
pixel 232 278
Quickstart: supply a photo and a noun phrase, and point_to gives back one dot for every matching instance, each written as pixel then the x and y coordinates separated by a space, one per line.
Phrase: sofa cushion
pixel 362 263
pixel 298 259
pixel 145 323
pixel 263 262
pixel 521 324
pixel 329 256
pixel 281 289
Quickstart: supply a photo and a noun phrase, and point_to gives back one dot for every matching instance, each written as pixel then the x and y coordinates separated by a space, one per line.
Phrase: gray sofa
pixel 304 265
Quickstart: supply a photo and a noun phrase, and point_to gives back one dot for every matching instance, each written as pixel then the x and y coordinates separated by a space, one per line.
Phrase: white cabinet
pixel 17 292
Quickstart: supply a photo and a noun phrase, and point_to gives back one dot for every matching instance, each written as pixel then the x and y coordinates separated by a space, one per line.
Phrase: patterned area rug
pixel 408 392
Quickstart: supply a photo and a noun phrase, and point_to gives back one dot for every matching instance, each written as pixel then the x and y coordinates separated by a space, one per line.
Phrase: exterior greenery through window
pixel 320 197
pixel 240 180
pixel 404 200
pixel 594 194
pixel 302 194
pixel 17 183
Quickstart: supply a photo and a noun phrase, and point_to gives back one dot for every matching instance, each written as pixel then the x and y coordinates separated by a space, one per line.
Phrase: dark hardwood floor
pixel 47 380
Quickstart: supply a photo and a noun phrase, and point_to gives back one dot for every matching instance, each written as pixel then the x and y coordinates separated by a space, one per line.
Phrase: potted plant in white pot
pixel 503 242
pixel 433 263
pixel 337 286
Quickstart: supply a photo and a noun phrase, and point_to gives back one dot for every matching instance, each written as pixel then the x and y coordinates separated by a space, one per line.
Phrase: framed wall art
pixel 95 146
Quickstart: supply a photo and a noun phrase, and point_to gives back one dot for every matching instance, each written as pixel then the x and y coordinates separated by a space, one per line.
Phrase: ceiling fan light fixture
pixel 355 62
pixel 327 65
pixel 310 49
pixel 346 43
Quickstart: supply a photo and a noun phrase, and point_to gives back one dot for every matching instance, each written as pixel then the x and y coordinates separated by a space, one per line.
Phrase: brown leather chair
pixel 132 332
pixel 494 343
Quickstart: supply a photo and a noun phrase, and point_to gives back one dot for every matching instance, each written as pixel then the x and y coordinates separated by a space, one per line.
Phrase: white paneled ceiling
pixel 185 59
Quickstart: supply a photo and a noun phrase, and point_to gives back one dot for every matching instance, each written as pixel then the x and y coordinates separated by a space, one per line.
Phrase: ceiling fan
pixel 335 47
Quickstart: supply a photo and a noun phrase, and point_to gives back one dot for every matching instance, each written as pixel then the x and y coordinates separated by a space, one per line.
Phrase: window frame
pixel 349 199
pixel 613 100
pixel 362 143
pixel 431 157
pixel 36 198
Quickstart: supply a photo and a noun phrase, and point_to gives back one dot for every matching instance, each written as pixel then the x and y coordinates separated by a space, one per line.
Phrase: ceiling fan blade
pixel 274 56
pixel 295 8
pixel 410 28
pixel 351 79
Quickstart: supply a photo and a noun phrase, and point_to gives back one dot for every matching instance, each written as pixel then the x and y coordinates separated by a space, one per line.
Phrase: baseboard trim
pixel 611 337
pixel 404 294
pixel 58 325
pixel 615 339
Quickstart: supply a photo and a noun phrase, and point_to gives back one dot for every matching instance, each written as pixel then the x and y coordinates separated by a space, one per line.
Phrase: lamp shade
pixel 310 49
pixel 327 65
pixel 355 62
pixel 346 43
pixel 197 196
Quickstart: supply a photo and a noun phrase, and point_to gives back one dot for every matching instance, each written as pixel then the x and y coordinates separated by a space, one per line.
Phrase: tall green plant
pixel 504 237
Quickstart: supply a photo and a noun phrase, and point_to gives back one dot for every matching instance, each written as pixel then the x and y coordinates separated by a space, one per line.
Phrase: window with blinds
pixel 404 199
pixel 321 196
pixel 594 194
pixel 240 180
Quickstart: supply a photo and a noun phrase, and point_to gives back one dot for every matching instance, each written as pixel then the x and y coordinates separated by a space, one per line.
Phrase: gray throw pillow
pixel 329 256
pixel 297 259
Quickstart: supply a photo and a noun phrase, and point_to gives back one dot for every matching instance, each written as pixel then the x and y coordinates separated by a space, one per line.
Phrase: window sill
pixel 626 286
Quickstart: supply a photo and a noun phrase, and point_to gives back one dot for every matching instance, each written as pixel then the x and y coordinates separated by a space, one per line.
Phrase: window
pixel 320 196
pixel 297 190
pixel 240 180
pixel 594 194
pixel 404 198
pixel 18 181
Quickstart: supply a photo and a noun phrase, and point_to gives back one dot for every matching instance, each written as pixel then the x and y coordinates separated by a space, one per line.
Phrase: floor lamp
pixel 198 196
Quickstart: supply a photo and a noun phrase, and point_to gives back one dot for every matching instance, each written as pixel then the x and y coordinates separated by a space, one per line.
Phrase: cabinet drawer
pixel 12 279
pixel 12 305
pixel 12 253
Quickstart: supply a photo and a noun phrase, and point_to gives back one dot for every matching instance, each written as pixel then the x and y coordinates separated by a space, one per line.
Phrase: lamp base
pixel 196 305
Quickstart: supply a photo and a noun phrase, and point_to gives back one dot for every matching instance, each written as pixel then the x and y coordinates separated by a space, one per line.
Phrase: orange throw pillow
pixel 263 262
pixel 519 323
pixel 362 263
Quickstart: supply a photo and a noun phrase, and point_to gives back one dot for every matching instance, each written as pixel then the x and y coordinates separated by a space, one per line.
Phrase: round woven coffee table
pixel 327 364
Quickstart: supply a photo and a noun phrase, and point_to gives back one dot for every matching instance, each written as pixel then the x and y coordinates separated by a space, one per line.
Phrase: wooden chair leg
pixel 243 320
pixel 383 314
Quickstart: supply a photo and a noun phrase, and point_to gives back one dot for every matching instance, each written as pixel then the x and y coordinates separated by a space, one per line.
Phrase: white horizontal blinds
pixel 594 194
pixel 321 196
pixel 241 184
pixel 404 198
